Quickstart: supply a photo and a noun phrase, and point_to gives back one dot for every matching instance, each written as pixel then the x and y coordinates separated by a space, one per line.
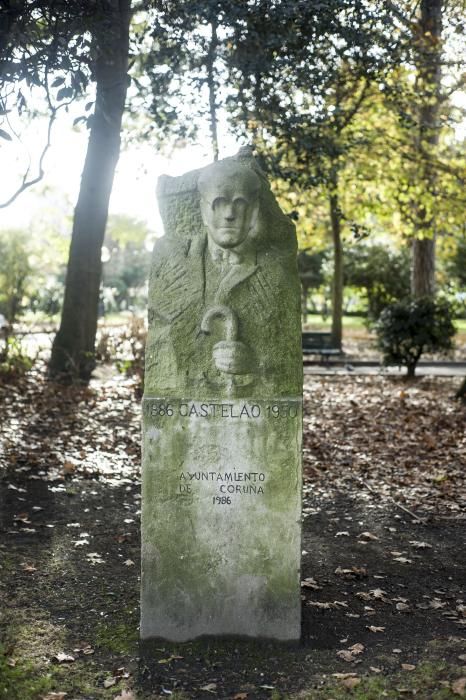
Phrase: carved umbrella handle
pixel 229 316
pixel 231 333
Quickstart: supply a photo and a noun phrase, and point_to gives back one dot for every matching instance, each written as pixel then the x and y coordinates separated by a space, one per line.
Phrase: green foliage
pixel 456 266
pixel 381 273
pixel 20 682
pixel 407 329
pixel 15 273
pixel 310 268
pixel 125 346
pixel 126 270
pixel 13 360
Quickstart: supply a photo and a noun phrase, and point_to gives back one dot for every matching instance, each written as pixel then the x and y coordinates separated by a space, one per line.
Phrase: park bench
pixel 319 343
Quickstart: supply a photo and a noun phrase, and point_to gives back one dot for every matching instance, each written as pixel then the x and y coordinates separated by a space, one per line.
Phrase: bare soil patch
pixel 383 566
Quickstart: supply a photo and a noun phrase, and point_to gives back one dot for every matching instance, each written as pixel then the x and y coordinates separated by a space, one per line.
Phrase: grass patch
pixel 429 680
pixel 26 680
pixel 119 638
pixel 21 681
pixel 315 321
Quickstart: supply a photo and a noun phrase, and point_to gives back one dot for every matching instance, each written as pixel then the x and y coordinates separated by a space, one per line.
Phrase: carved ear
pixel 205 209
pixel 255 219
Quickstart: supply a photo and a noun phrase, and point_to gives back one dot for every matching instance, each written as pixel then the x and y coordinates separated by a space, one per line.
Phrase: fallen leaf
pixel 125 695
pixel 108 682
pixel 408 667
pixel 403 560
pixel 357 648
pixel 378 594
pixel 174 657
pixel 240 696
pixel 54 696
pixel 354 572
pixel 368 536
pixel 345 655
pixel 63 658
pixel 84 649
pixel 402 607
pixel 311 583
pixel 420 545
pixel 210 687
pixel 374 669
pixel 459 686
pixel 28 568
pixel 69 467
pixel 94 558
pixel 344 675
pixel 373 628
pixel 128 562
pixel 22 518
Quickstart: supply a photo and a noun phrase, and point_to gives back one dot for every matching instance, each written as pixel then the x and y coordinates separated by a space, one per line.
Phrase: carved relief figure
pixel 222 307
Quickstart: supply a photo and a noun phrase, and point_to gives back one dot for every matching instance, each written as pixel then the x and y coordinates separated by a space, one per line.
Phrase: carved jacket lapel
pixel 235 276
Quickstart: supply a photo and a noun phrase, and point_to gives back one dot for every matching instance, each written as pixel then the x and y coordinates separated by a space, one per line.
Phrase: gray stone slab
pixel 221 518
pixel 221 533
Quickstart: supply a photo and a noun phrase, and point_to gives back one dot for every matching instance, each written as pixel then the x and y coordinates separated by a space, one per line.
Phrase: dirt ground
pixel 383 579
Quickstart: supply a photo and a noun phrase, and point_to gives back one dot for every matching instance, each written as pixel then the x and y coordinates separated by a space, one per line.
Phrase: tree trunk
pixel 423 267
pixel 74 344
pixel 211 83
pixel 461 393
pixel 428 86
pixel 337 282
pixel 304 295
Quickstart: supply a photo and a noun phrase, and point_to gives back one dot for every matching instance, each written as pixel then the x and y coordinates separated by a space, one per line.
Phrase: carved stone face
pixel 229 202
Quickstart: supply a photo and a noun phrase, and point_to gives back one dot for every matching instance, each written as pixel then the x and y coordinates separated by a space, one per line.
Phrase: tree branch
pixel 29 183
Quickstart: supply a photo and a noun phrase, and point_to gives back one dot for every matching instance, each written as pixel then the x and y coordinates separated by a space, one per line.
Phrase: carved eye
pixel 219 202
pixel 240 201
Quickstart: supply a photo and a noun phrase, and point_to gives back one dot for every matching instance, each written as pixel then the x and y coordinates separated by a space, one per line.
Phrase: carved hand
pixel 232 357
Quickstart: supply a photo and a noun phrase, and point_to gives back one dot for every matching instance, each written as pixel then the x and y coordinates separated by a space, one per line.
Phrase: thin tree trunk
pixel 337 282
pixel 428 88
pixel 423 267
pixel 74 345
pixel 461 393
pixel 212 85
pixel 304 295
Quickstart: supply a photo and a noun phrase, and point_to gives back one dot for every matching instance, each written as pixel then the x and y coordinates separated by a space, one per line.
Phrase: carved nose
pixel 229 213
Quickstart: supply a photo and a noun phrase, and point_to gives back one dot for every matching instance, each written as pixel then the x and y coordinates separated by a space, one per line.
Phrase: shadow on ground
pixel 382 595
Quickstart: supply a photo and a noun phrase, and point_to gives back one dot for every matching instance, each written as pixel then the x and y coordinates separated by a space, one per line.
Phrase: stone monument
pixel 222 412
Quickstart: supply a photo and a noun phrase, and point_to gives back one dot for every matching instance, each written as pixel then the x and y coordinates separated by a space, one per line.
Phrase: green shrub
pixel 14 361
pixel 382 275
pixel 407 329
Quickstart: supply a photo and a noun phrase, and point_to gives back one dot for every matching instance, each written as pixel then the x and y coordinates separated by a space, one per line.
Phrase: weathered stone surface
pixel 222 413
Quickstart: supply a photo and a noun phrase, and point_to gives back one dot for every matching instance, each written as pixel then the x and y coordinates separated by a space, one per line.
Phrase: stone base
pixel 221 518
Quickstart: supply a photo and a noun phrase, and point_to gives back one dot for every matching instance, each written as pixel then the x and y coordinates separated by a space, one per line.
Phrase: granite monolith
pixel 222 412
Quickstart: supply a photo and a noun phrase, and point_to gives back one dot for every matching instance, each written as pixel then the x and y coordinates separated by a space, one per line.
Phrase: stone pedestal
pixel 222 413
pixel 221 518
